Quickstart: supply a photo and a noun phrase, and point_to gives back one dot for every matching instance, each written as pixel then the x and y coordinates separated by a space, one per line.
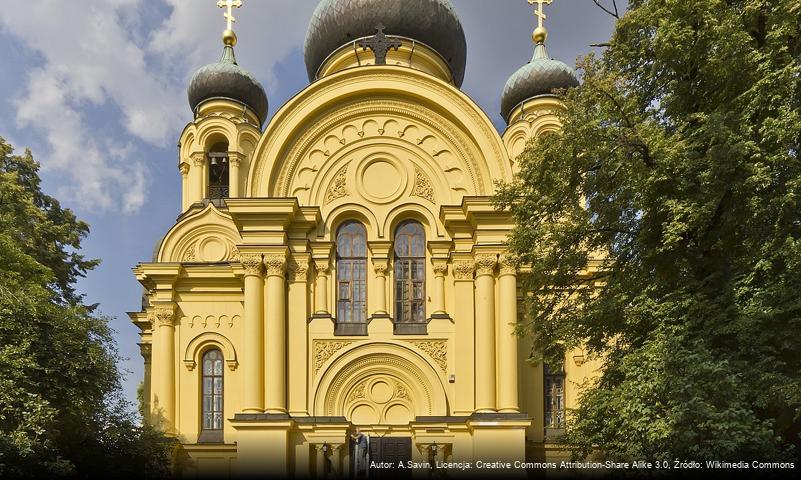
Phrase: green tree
pixel 677 173
pixel 61 411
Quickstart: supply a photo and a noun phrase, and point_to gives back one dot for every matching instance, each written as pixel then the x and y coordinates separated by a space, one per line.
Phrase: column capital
pixel 298 269
pixel 198 158
pixel 322 266
pixel 164 315
pixel 235 158
pixel 275 264
pixel 380 266
pixel 184 169
pixel 252 263
pixel 440 266
pixel 463 269
pixel 146 350
pixel 485 264
pixel 508 266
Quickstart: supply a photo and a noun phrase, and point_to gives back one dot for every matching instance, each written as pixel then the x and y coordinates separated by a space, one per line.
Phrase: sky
pixel 97 90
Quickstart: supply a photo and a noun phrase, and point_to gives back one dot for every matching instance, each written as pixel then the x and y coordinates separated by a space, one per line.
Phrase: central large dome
pixel 433 22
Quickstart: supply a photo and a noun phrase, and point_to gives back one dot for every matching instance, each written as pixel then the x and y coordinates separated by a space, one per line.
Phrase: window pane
pixel 410 273
pixel 351 266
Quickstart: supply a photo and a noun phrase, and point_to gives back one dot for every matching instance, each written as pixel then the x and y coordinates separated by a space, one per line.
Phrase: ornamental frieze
pixel 436 349
pixel 325 349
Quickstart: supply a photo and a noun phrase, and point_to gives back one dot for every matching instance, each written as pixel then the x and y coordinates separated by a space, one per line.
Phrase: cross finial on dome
pixel 229 37
pixel 380 44
pixel 540 34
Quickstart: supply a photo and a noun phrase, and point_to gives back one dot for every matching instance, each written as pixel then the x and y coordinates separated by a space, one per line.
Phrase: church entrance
pixel 388 451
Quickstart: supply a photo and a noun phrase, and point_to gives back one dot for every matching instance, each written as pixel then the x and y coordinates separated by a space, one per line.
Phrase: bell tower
pixel 530 103
pixel 229 107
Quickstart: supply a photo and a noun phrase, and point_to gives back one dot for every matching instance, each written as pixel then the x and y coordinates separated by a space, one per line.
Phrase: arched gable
pixel 208 236
pixel 423 134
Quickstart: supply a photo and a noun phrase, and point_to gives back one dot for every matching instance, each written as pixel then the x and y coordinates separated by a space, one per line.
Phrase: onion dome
pixel 433 22
pixel 227 80
pixel 541 76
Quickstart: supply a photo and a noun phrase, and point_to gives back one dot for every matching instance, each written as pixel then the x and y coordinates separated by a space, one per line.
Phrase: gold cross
pixel 230 5
pixel 539 13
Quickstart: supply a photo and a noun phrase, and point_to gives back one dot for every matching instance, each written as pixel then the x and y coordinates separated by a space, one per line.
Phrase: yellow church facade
pixel 344 266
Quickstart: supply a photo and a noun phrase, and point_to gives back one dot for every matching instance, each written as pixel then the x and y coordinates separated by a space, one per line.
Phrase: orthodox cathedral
pixel 336 288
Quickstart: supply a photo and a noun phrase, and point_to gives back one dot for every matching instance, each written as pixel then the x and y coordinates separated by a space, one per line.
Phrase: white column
pixel 275 333
pixel 252 362
pixel 440 269
pixel 380 266
pixel 507 341
pixel 234 162
pixel 165 410
pixel 321 287
pixel 485 333
pixel 185 202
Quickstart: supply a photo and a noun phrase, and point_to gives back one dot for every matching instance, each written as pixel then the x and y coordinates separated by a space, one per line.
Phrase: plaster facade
pixel 254 276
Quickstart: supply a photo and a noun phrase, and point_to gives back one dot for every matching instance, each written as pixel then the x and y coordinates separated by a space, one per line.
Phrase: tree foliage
pixel 61 412
pixel 677 174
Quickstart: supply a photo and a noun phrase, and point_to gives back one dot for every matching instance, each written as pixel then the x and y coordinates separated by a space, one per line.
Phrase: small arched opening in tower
pixel 219 171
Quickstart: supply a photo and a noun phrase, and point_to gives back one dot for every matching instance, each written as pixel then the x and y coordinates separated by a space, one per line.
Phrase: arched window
pixel 410 277
pixel 554 384
pixel 218 171
pixel 212 385
pixel 351 276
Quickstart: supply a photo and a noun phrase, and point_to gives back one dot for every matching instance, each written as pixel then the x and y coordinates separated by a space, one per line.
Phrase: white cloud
pixel 96 56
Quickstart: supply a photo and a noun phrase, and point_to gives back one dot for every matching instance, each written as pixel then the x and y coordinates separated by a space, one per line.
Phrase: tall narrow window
pixel 351 279
pixel 218 172
pixel 212 384
pixel 410 278
pixel 554 383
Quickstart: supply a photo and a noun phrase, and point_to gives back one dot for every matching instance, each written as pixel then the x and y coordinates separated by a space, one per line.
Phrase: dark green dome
pixel 432 22
pixel 225 79
pixel 541 76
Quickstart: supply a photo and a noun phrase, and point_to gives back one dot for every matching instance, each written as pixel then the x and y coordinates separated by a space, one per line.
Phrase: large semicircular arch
pixel 381 358
pixel 302 114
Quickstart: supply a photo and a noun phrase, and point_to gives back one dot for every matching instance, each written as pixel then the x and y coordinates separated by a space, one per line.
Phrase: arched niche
pixel 451 139
pixel 382 382
pixel 202 343
pixel 208 236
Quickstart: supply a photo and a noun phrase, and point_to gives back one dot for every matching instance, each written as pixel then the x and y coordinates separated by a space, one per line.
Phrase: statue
pixel 360 447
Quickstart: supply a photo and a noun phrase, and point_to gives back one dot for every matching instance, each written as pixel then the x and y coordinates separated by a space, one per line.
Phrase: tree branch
pixel 615 13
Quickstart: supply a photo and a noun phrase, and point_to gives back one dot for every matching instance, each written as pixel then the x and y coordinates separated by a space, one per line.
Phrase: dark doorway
pixel 390 450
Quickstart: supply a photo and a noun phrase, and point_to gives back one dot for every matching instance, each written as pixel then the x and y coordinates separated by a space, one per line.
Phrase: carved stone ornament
pixel 183 168
pixel 275 265
pixel 189 254
pixel 440 269
pixel 251 262
pixel 165 315
pixel 463 270
pixel 146 349
pixel 508 266
pixel 322 267
pixel 198 159
pixel 422 186
pixel 325 349
pixel 436 349
pixel 298 270
pixel 339 186
pixel 380 267
pixel 485 264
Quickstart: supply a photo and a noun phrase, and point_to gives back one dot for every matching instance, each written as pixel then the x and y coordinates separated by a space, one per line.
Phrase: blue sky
pixel 97 90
